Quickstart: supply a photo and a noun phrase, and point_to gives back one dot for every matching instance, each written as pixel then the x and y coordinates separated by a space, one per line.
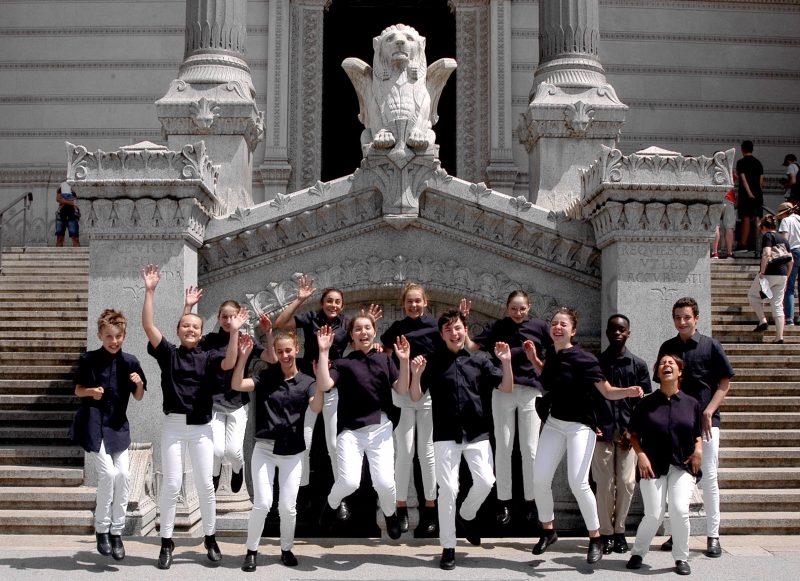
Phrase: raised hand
pixel 418 364
pixel 530 350
pixel 193 296
pixel 245 345
pixel 151 277
pixel 464 307
pixel 305 287
pixel 240 319
pixel 376 311
pixel 325 338
pixel 402 348
pixel 264 324
pixel 502 351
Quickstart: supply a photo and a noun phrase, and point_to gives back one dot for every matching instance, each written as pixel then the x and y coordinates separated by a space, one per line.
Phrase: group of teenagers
pixel 425 378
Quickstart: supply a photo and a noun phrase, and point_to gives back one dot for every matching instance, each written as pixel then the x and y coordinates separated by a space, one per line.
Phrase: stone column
pixel 276 169
pixel 502 170
pixel 213 96
pixel 472 88
pixel 654 214
pixel 573 110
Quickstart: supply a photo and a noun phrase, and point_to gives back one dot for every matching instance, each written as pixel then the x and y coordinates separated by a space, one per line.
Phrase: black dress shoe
pixel 288 559
pixel 620 544
pixel 343 512
pixel 682 568
pixel 608 544
pixel 448 560
pixel 595 552
pixel 117 548
pixel 215 480
pixel 103 544
pixel 503 512
pixel 548 538
pixel 236 480
pixel 713 548
pixel 761 327
pixel 469 530
pixel 635 562
pixel 427 523
pixel 212 549
pixel 249 564
pixel 327 517
pixel 402 514
pixel 393 526
pixel 165 556
pixel 667 545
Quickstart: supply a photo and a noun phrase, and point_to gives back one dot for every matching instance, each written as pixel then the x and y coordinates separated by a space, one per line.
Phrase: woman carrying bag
pixel 776 262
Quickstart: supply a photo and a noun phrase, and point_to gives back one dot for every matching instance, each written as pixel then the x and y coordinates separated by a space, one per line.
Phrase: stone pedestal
pixel 654 214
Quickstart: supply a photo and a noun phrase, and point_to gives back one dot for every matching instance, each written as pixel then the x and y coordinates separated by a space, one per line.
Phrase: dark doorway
pixel 350 26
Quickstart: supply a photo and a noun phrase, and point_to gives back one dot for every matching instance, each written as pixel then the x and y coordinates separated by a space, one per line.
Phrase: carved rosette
pixel 654 195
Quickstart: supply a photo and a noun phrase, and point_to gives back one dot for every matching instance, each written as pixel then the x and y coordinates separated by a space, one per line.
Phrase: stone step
pixel 762 437
pixel 39 285
pixel 75 279
pixel 37 297
pixel 43 346
pixel 52 522
pixel 759 349
pixel 47 498
pixel 759 388
pixel 21 475
pixel 754 523
pixel 759 404
pixel 10 418
pixel 34 435
pixel 753 457
pixel 38 455
pixel 761 477
pixel 766 375
pixel 38 250
pixel 765 361
pixel 38 358
pixel 36 386
pixel 38 401
pixel 20 333
pixel 52 324
pixel 750 420
pixel 38 372
pixel 764 499
pixel 37 314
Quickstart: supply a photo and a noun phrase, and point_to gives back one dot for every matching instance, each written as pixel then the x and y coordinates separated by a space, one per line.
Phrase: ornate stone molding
pixel 754 5
pixel 629 36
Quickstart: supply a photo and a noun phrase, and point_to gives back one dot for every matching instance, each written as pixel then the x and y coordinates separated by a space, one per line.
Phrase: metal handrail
pixel 27 198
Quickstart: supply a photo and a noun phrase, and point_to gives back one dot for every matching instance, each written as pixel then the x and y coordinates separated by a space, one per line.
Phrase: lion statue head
pixel 399 47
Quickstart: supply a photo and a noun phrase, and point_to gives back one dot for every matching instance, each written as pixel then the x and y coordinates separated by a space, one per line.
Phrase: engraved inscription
pixel 661 263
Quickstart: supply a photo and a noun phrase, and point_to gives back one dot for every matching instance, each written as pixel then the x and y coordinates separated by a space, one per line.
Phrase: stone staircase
pixel 43 294
pixel 759 473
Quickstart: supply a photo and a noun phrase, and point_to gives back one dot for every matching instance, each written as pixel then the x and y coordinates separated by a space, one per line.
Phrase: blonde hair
pixel 112 318
pixel 413 286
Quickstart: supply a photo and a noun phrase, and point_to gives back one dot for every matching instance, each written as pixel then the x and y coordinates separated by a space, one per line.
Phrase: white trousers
pixel 710 484
pixel 614 471
pixel 577 440
pixel 329 416
pixel 415 419
pixel 677 485
pixel 113 487
pixel 777 285
pixel 175 436
pixel 263 465
pixel 376 442
pixel 522 401
pixel 448 461
pixel 228 427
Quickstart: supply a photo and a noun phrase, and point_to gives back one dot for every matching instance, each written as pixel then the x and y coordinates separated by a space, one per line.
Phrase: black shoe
pixel 393 526
pixel 608 543
pixel 288 559
pixel 117 548
pixel 236 480
pixel 103 544
pixel 761 327
pixel 212 549
pixel 448 560
pixel 620 543
pixel 635 562
pixel 595 552
pixel 343 512
pixel 165 556
pixel 667 545
pixel 503 512
pixel 249 564
pixel 215 480
pixel 327 517
pixel 468 530
pixel 682 568
pixel 427 523
pixel 402 514
pixel 713 549
pixel 548 538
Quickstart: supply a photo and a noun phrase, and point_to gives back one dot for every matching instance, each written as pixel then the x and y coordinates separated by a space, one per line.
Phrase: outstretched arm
pixel 614 393
pixel 417 368
pixel 268 355
pixel 305 288
pixel 151 278
pixel 503 353
pixel 321 369
pixel 233 342
pixel 403 350
pixel 238 381
pixel 192 297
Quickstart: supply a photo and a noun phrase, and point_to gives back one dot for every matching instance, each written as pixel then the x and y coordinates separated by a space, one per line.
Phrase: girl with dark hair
pixel 774 271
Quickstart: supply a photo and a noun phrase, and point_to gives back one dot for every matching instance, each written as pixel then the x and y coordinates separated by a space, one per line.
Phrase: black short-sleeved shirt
pixel 515 334
pixel 624 370
pixel 770 239
pixel 705 364
pixel 457 383
pixel 223 394
pixel 752 170
pixel 281 407
pixel 667 429
pixel 568 379
pixel 312 321
pixel 187 378
pixel 365 383
pixel 105 420
pixel 422 334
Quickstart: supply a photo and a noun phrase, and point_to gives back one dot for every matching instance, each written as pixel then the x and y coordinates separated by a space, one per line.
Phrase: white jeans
pixel 448 461
pixel 228 427
pixel 710 484
pixel 578 441
pixel 376 442
pixel 329 416
pixel 677 485
pixel 414 418
pixel 262 469
pixel 113 486
pixel 522 400
pixel 777 285
pixel 176 434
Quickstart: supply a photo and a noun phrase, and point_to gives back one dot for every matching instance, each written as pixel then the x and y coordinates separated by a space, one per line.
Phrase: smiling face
pixel 190 330
pixel 454 333
pixel 414 303
pixel 669 370
pixel 112 337
pixel 225 316
pixel 286 350
pixel 617 332
pixel 562 330
pixel 518 309
pixel 362 333
pixel 685 321
pixel 332 304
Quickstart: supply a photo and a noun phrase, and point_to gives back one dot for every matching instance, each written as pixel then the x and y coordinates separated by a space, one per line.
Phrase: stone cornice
pixel 753 5
pixel 656 70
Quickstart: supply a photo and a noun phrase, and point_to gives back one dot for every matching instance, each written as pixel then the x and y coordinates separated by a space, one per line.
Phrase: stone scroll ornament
pixel 399 94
